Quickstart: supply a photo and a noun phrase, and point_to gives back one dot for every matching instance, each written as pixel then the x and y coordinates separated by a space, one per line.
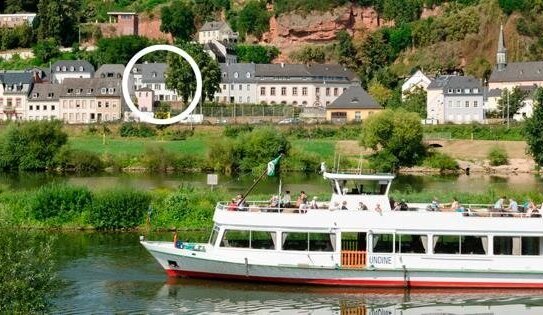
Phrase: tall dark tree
pixel 59 19
pixel 178 19
pixel 345 49
pixel 253 18
pixel 533 130
pixel 118 50
pixel 181 78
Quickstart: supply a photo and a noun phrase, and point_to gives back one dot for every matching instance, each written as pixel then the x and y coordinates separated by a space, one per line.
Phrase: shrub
pixel 383 161
pixel 440 161
pixel 137 130
pixel 156 158
pixel 31 145
pixel 59 201
pixel 78 160
pixel 258 147
pixel 119 209
pixel 179 134
pixel 27 273
pixel 498 156
pixel 233 131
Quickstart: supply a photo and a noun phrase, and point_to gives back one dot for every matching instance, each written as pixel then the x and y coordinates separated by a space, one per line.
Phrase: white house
pixel 217 30
pixel 71 69
pixel 14 89
pixel 43 102
pixel 417 80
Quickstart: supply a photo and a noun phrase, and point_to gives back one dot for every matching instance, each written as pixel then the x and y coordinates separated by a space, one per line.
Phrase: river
pixel 311 183
pixel 112 273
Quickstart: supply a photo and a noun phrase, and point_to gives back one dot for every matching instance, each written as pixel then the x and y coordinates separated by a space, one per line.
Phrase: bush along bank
pixel 63 206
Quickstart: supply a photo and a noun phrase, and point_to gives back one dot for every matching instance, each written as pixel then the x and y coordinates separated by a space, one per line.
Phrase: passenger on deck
pixel 344 205
pixel 302 199
pixel 530 207
pixel 498 206
pixel 397 206
pixel 233 205
pixel 335 206
pixel 313 204
pixel 362 206
pixel 274 201
pixel 435 204
pixel 455 206
pixel 403 205
pixel 513 206
pixel 378 208
pixel 286 199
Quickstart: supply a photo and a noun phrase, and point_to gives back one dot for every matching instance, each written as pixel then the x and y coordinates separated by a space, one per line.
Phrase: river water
pixel 112 273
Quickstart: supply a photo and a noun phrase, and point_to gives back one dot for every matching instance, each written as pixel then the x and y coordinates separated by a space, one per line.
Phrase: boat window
pixel 503 245
pixel 262 240
pixel 294 241
pixel 236 238
pixel 411 244
pixel 214 235
pixel 473 245
pixel 530 246
pixel 446 244
pixel 322 242
pixel 383 243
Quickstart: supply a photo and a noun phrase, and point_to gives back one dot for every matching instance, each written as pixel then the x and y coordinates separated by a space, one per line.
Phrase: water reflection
pixel 312 183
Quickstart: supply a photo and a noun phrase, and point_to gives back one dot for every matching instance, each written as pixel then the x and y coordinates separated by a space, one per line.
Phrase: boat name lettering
pixel 380 260
pixel 380 311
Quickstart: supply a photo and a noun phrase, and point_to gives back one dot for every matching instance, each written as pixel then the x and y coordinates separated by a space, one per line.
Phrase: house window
pixel 327 91
pixel 467 104
pixel 157 86
pixel 44 107
pixel 17 102
pixel 231 87
pixel 457 104
pixel 247 75
pixel 304 91
pixel 475 91
pixel 30 107
pixel 248 100
pixel 458 91
pixel 450 104
pixel 248 87
pixel 103 90
pixel 52 107
pixel 240 87
pixel 357 116
pixel 263 91
pixel 224 87
pixel 294 91
pixel 272 91
pixel 335 91
pixel 318 91
pixel 283 91
pixel 37 107
pixel 475 104
pixel 235 75
pixel 466 91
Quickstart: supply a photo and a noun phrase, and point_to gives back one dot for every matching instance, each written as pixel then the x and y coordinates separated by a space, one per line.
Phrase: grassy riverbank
pixel 68 207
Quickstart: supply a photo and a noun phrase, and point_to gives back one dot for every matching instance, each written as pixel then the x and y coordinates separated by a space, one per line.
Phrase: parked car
pixel 290 121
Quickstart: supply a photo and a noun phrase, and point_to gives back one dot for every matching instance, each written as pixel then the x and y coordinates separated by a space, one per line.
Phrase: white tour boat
pixel 329 246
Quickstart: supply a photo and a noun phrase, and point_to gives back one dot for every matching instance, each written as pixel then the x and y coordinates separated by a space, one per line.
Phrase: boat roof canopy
pixel 342 176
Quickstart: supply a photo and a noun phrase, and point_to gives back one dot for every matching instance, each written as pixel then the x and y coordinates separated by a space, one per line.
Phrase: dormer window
pixel 111 90
pixel 135 70
pixel 77 91
pixel 80 68
pixel 103 91
pixel 63 68
pixel 70 91
pixel 72 68
pixel 248 75
pixel 35 95
pixel 458 91
pixel 58 69
pixel 154 74
pixel 467 91
pixel 235 74
pixel 50 95
pixel 89 91
pixel 475 90
pixel 450 91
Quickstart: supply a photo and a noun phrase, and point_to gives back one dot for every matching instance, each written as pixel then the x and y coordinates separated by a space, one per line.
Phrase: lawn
pixel 135 146
pixel 323 148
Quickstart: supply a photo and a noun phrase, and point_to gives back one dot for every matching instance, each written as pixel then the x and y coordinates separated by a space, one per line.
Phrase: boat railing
pixel 261 206
pixel 353 259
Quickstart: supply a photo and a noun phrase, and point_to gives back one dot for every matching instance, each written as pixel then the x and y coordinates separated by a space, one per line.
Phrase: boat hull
pixel 195 265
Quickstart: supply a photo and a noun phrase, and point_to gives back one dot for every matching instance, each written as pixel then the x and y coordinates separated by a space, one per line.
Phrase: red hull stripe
pixel 355 282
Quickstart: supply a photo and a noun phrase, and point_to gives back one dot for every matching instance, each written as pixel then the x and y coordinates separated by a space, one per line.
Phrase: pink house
pixel 145 99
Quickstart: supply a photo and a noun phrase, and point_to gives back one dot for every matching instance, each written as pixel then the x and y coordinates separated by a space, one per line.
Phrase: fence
pixel 249 110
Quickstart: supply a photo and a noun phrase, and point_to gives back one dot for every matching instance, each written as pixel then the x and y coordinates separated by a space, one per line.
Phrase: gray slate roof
pixel 212 26
pixel 355 97
pixel 446 82
pixel 151 72
pixel 72 66
pixel 228 72
pixel 518 72
pixel 303 73
pixel 90 87
pixel 16 82
pixel 110 71
pixel 45 92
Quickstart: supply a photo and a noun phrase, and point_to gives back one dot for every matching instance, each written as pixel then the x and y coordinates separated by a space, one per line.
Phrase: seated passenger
pixel 286 199
pixel 344 205
pixel 233 205
pixel 498 206
pixel 313 204
pixel 455 205
pixel 397 207
pixel 274 201
pixel 435 204
pixel 403 205
pixel 362 206
pixel 378 208
pixel 513 205
pixel 335 206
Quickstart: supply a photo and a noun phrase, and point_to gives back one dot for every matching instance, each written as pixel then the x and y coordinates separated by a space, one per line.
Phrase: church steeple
pixel 501 55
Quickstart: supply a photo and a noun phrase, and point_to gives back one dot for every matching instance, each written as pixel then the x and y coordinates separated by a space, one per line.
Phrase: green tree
pixel 395 133
pixel 118 50
pixel 345 49
pixel 509 6
pixel 533 130
pixel 253 18
pixel 59 19
pixel 415 101
pixel 402 11
pixel 309 54
pixel 180 77
pixel 178 19
pixel 31 145
pixel 256 53
pixel 45 50
pixel 480 68
pixel 379 92
pixel 511 101
pixel 373 54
